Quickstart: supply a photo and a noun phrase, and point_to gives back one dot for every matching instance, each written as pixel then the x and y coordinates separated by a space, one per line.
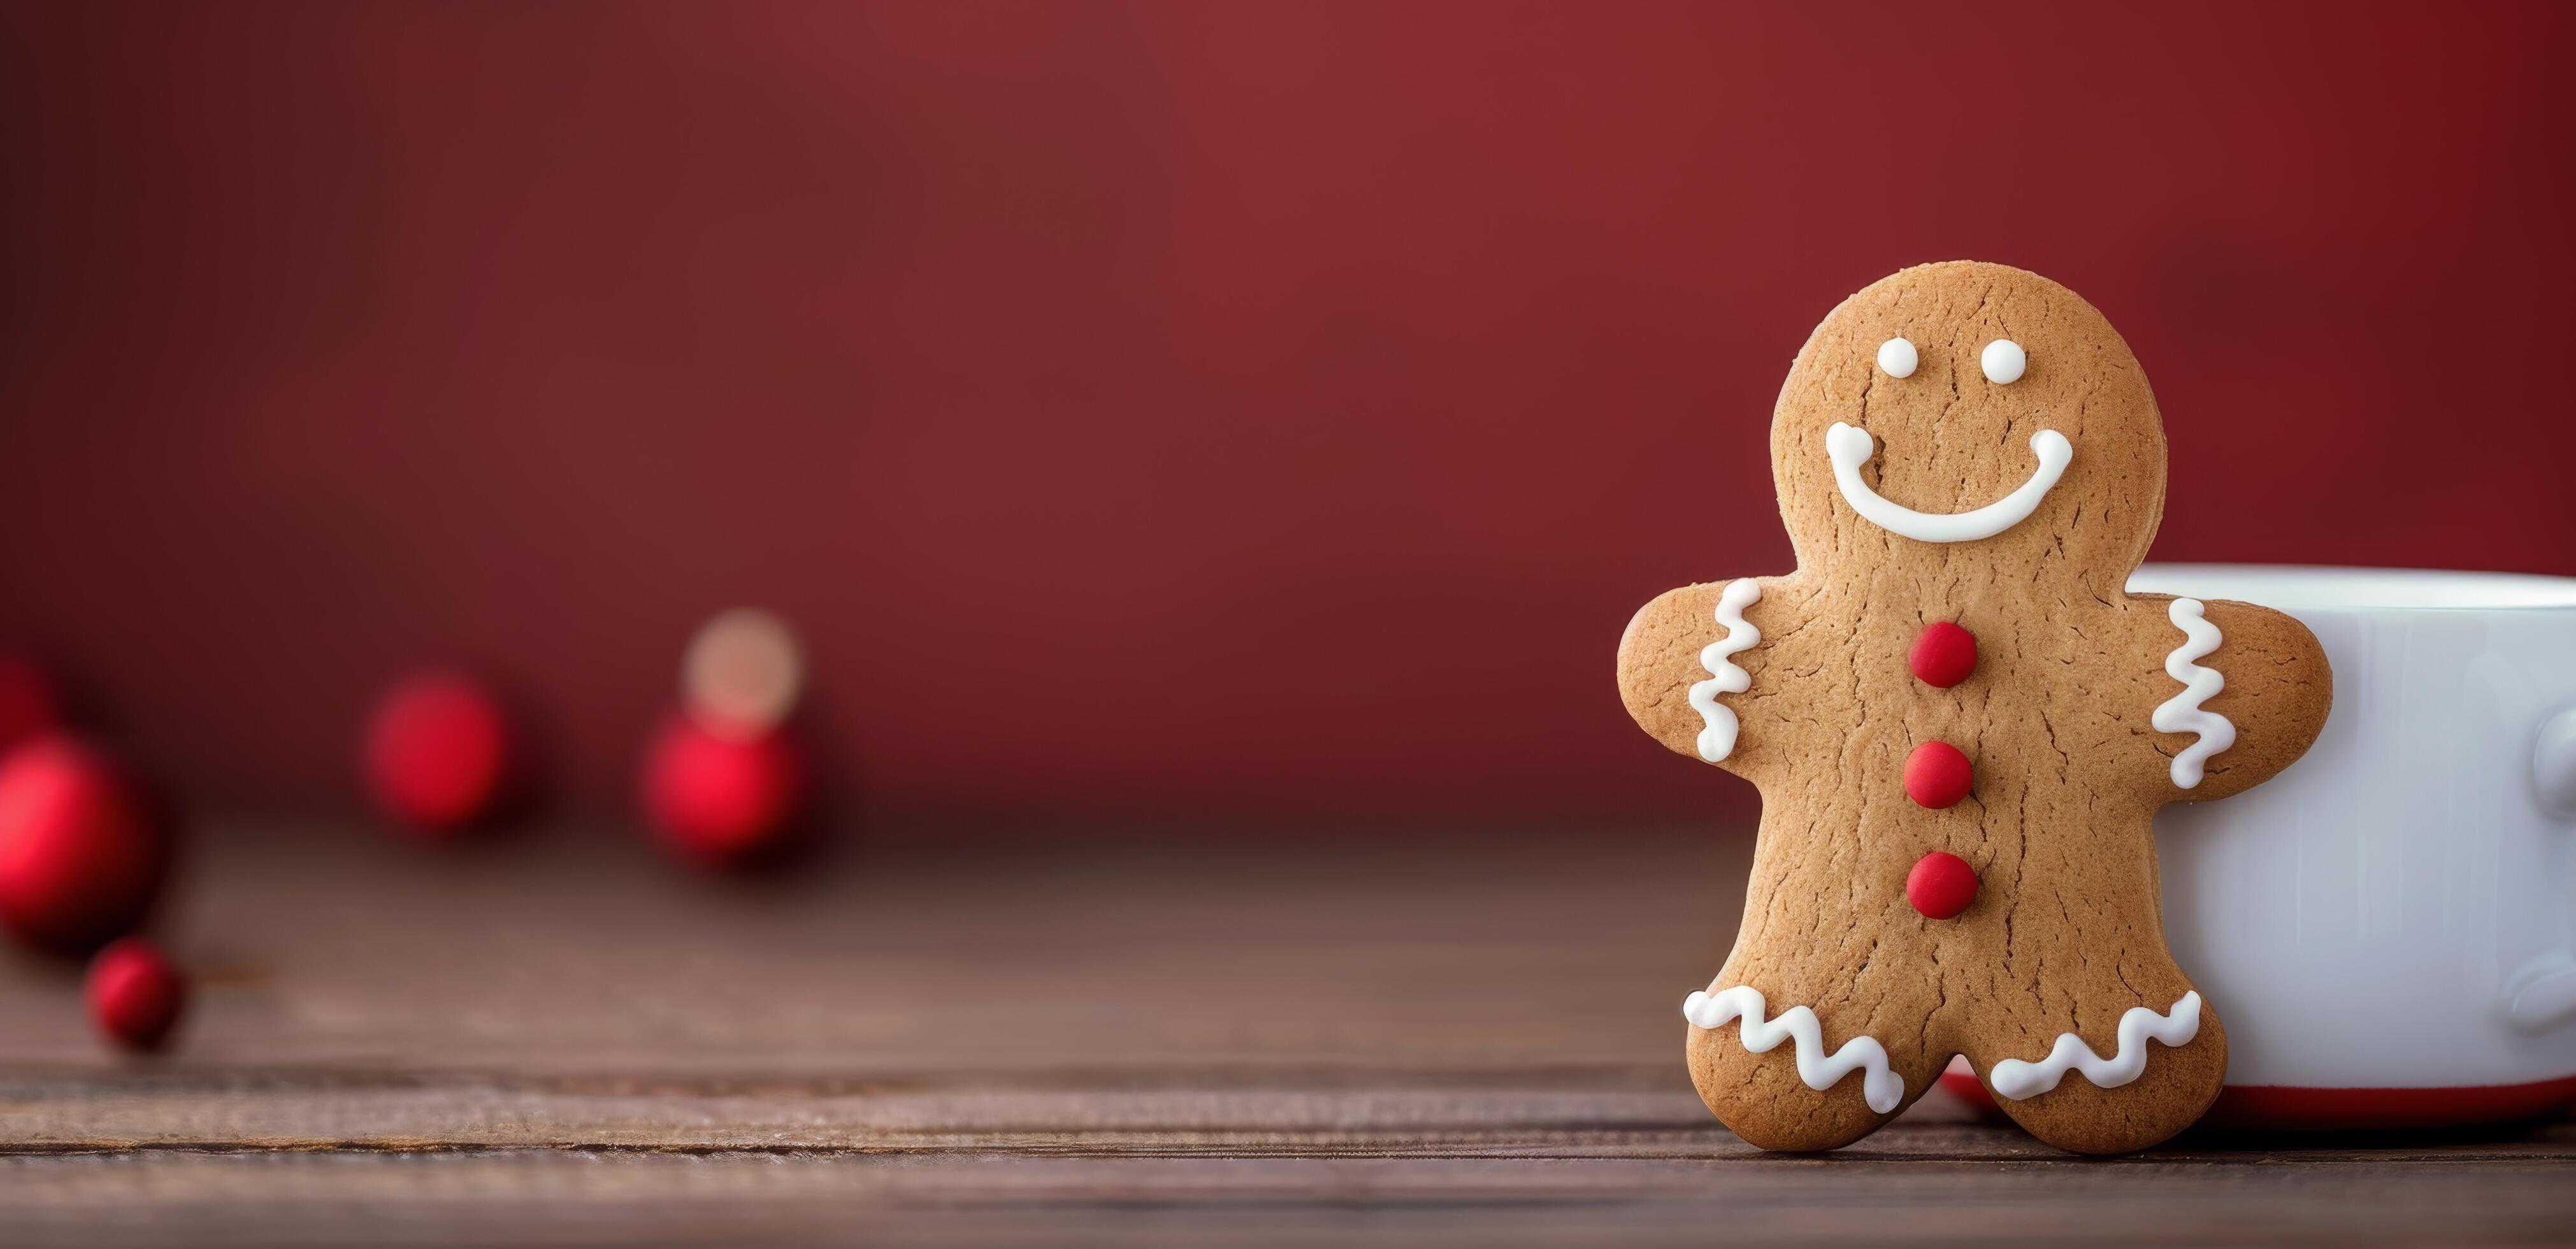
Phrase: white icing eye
pixel 1897 357
pixel 2003 361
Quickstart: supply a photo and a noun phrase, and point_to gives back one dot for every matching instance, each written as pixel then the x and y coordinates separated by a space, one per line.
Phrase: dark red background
pixel 1255 408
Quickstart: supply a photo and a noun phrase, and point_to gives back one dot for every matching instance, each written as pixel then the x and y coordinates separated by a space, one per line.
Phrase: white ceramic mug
pixel 2389 926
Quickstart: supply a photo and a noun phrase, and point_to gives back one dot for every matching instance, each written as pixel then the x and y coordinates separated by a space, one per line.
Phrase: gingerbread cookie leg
pixel 2152 1075
pixel 1768 1073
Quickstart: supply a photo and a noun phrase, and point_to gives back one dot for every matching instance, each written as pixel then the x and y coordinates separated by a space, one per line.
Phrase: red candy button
pixel 1942 885
pixel 1944 655
pixel 1937 775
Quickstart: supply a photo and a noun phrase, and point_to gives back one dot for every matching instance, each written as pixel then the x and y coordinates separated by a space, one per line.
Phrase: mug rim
pixel 2321 587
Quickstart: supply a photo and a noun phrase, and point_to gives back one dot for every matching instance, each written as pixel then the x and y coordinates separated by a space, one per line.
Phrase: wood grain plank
pixel 560 1041
pixel 587 1197
pixel 574 956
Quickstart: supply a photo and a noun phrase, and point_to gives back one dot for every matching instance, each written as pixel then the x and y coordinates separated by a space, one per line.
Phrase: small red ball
pixel 1943 655
pixel 718 798
pixel 79 859
pixel 1937 775
pixel 134 994
pixel 29 704
pixel 437 752
pixel 1941 885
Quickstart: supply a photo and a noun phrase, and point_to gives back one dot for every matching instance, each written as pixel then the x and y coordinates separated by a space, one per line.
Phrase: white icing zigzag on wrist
pixel 2182 713
pixel 1881 1088
pixel 1717 741
pixel 2015 1079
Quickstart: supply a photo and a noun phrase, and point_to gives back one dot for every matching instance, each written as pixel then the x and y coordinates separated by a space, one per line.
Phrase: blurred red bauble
pixel 29 704
pixel 719 798
pixel 134 994
pixel 79 858
pixel 438 751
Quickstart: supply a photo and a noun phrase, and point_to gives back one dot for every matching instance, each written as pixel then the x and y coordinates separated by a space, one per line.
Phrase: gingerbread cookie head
pixel 1974 407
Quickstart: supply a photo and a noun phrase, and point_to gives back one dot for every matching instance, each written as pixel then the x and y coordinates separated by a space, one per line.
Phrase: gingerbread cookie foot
pixel 1881 1090
pixel 1772 1080
pixel 2163 1073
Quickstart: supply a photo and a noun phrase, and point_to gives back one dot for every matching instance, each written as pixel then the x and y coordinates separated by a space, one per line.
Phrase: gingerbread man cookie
pixel 1962 725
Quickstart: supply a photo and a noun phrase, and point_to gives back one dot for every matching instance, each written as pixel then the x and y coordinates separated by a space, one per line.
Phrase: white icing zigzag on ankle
pixel 1882 1089
pixel 2015 1079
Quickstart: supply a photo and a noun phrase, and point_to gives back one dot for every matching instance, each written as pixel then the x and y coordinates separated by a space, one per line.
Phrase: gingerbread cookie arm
pixel 1686 659
pixel 2246 691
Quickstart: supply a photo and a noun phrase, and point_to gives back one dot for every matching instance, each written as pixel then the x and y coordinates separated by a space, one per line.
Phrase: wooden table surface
pixel 558 1039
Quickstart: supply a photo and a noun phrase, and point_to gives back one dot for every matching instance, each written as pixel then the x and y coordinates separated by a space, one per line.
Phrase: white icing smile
pixel 1850 448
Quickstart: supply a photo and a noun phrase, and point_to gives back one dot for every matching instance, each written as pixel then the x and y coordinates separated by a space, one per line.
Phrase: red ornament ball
pixel 719 798
pixel 79 858
pixel 1943 655
pixel 1941 885
pixel 1937 775
pixel 134 994
pixel 438 751
pixel 29 704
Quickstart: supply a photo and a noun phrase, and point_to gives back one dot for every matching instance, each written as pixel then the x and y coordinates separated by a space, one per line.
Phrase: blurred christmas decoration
pixel 29 703
pixel 80 856
pixel 721 799
pixel 743 674
pixel 723 778
pixel 135 996
pixel 439 753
